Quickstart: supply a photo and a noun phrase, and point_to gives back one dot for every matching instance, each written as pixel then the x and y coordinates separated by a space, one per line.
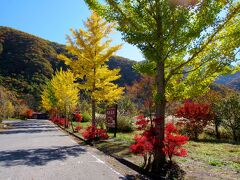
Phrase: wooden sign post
pixel 111 117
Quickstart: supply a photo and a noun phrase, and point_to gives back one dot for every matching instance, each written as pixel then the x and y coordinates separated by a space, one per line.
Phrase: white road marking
pixel 73 141
pixel 113 170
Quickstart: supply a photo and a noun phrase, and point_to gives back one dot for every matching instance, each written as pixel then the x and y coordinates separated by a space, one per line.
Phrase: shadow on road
pixel 30 131
pixel 38 157
pixel 29 127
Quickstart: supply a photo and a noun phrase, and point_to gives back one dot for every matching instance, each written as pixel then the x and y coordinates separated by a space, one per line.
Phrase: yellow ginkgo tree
pixel 61 93
pixel 91 49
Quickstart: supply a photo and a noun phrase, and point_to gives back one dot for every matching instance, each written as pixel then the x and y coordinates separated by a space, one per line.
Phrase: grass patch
pixel 214 162
pixel 214 154
pixel 126 137
pixel 82 124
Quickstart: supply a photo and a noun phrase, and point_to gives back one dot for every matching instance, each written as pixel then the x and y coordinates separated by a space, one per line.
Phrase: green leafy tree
pixel 229 113
pixel 187 44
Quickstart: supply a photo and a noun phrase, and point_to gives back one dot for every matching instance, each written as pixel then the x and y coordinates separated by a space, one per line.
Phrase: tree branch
pixel 230 16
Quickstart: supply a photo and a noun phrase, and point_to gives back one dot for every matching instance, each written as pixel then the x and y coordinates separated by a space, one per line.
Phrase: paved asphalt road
pixel 37 149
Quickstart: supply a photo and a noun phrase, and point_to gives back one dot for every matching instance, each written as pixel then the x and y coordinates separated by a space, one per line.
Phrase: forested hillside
pixel 27 62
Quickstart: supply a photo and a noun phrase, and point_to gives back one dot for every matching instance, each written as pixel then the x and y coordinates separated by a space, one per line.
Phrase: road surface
pixel 37 149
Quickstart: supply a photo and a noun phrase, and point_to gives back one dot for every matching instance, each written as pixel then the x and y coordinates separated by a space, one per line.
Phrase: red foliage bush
pixel 173 142
pixel 142 145
pixel 197 117
pixel 141 122
pixel 148 141
pixel 78 117
pixel 59 121
pixel 144 142
pixel 78 128
pixel 94 133
pixel 29 113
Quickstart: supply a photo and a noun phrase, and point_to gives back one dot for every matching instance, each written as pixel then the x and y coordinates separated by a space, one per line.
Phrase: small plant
pixel 29 113
pixel 86 117
pixel 100 120
pixel 125 124
pixel 78 117
pixel 93 133
pixel 141 122
pixel 60 121
pixel 78 128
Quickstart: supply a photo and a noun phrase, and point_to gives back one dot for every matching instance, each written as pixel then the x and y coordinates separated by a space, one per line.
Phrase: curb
pixel 72 134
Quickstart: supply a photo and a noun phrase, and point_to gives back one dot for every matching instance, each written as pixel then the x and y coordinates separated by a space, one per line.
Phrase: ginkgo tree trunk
pixel 91 49
pixel 187 44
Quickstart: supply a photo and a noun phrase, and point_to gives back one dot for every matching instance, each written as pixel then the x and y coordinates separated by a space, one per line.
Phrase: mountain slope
pixel 27 62
pixel 231 80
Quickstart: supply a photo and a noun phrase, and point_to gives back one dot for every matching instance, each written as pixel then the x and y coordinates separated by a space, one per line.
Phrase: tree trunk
pixel 93 100
pixel 73 130
pixel 65 122
pixel 159 156
pixel 235 136
pixel 217 122
pixel 195 135
pixel 217 131
pixel 93 112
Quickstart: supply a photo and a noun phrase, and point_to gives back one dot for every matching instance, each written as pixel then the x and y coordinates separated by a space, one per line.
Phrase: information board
pixel 111 117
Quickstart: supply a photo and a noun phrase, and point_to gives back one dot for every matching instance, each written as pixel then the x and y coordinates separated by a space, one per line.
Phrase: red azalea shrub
pixel 78 117
pixel 59 121
pixel 94 133
pixel 29 113
pixel 141 122
pixel 146 142
pixel 173 142
pixel 78 128
pixel 196 117
pixel 142 145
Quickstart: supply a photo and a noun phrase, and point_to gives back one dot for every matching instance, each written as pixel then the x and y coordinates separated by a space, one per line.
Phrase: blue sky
pixel 52 19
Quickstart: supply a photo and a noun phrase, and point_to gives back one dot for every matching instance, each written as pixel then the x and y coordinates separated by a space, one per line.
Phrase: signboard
pixel 111 117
